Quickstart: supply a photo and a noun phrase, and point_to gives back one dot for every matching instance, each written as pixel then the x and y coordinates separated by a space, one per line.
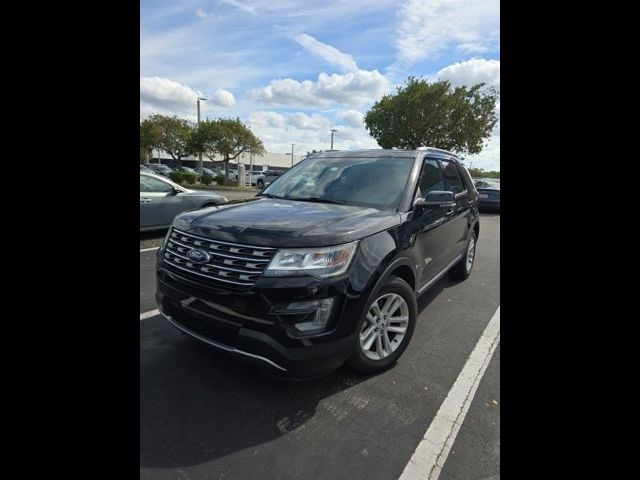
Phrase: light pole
pixel 292 153
pixel 332 132
pixel 200 153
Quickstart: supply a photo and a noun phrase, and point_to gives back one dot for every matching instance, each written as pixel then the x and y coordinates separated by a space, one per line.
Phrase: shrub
pixel 177 177
pixel 219 179
pixel 190 178
pixel 206 179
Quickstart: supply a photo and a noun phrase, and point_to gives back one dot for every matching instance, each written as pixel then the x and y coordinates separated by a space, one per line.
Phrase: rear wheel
pixel 387 325
pixel 260 183
pixel 463 268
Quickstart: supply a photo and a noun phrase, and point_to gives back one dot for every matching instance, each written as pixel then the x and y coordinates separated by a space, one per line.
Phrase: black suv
pixel 325 265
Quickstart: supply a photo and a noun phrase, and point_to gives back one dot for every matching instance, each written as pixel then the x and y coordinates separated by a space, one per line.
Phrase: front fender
pixel 377 256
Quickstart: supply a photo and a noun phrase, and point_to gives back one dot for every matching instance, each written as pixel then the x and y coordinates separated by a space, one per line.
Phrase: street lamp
pixel 200 154
pixel 291 153
pixel 332 132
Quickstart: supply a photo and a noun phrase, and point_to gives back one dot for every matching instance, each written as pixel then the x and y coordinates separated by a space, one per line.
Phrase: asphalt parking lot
pixel 204 415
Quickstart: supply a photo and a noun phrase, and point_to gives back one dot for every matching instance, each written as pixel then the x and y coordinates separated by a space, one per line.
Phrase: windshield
pixel 377 182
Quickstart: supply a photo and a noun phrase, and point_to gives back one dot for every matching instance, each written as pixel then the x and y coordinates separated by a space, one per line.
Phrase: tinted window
pixel 150 184
pixel 430 178
pixel 452 177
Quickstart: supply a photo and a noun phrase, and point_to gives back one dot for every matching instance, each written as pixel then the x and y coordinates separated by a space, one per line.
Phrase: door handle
pixel 145 200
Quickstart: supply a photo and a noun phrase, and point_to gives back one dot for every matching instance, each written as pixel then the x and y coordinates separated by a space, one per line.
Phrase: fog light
pixel 322 313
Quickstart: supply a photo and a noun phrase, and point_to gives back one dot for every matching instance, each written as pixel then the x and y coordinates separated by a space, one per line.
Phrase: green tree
pixel 423 114
pixel 227 138
pixel 174 135
pixel 149 138
pixel 481 173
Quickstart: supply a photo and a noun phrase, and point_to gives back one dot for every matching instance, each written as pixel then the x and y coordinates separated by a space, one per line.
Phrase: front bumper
pixel 239 323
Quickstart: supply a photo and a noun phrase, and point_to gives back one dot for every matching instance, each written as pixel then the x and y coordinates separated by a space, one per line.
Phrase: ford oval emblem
pixel 198 256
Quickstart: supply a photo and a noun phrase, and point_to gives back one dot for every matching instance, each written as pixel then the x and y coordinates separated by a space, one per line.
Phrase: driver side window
pixel 150 184
pixel 430 178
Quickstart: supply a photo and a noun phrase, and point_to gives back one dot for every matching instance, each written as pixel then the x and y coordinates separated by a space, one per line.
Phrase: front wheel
pixel 386 327
pixel 260 183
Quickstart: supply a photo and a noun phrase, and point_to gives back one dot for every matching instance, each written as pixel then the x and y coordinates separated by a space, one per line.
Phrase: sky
pixel 293 70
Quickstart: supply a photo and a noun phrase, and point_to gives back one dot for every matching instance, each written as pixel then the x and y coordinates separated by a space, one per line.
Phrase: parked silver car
pixel 160 169
pixel 161 200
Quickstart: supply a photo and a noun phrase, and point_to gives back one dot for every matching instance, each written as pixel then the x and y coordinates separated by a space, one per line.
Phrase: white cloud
pixel 354 88
pixel 267 119
pixel 353 118
pixel 167 94
pixel 330 54
pixel 223 98
pixel 307 132
pixel 201 13
pixel 305 122
pixel 489 158
pixel 246 7
pixel 429 26
pixel 470 72
pixel 162 95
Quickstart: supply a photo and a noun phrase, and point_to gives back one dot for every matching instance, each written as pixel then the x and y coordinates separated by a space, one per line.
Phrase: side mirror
pixel 435 198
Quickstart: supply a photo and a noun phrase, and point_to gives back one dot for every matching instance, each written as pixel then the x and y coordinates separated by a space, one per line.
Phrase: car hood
pixel 286 223
pixel 204 193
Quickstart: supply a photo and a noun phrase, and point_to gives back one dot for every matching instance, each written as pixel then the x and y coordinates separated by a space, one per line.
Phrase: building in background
pixel 268 161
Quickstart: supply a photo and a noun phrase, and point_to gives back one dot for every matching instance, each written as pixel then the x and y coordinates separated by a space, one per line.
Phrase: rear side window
pixel 452 177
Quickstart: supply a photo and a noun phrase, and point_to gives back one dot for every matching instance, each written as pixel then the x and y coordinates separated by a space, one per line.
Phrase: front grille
pixel 230 263
pixel 208 328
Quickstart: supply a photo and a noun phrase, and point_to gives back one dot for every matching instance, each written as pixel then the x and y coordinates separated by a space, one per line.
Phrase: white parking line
pixel 149 314
pixel 148 249
pixel 427 461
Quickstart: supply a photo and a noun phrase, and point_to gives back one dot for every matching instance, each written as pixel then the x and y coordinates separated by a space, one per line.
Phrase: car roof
pixel 385 152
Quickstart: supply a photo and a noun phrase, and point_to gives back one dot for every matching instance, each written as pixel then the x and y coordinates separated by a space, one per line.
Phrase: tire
pixel 462 269
pixel 260 183
pixel 368 361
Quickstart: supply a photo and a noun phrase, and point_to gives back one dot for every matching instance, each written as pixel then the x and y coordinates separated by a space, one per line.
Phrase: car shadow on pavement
pixel 198 404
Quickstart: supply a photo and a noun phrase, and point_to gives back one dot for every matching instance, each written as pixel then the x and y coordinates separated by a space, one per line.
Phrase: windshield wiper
pixel 317 200
pixel 268 195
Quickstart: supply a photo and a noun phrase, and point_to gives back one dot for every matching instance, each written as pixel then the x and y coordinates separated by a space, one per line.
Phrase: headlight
pixel 318 262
